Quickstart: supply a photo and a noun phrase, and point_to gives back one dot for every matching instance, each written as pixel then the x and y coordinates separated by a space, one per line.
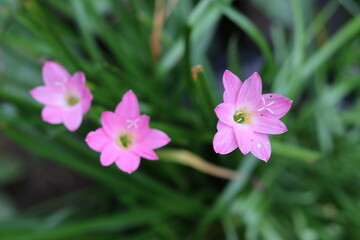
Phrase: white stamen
pixel 258 145
pixel 270 103
pixel 60 84
pixel 270 110
pixel 266 106
pixel 132 123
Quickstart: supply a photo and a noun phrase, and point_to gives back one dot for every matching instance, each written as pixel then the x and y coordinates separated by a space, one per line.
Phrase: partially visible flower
pixel 246 117
pixel 125 136
pixel 66 98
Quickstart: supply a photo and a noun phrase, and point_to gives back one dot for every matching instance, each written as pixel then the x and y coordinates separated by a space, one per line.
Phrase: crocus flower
pixel 247 116
pixel 66 98
pixel 125 136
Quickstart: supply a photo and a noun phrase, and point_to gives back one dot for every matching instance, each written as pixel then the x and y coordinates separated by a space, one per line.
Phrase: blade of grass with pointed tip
pixel 253 32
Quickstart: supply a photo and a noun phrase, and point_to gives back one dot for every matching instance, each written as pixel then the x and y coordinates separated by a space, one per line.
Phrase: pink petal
pixel 79 79
pixel 274 104
pixel 224 140
pixel 250 92
pixel 86 94
pixel 264 123
pixel 245 137
pixel 145 151
pixel 262 147
pixel 129 106
pixel 48 96
pixel 139 126
pixel 232 85
pixel 97 139
pixel 110 153
pixel 220 125
pixel 54 74
pixel 86 100
pixel 73 118
pixel 53 115
pixel 128 162
pixel 111 124
pixel 76 83
pixel 155 139
pixel 225 113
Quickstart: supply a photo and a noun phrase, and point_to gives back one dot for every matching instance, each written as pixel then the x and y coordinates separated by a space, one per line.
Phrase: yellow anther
pixel 125 140
pixel 248 119
pixel 119 143
pixel 239 120
pixel 243 116
pixel 72 100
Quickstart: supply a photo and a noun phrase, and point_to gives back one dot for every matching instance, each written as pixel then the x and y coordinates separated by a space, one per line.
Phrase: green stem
pixel 207 102
pixel 345 34
pixel 254 33
pixel 232 189
pixel 187 57
pixel 299 33
pixel 125 220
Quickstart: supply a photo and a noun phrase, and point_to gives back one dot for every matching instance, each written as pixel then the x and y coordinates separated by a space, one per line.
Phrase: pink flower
pixel 65 97
pixel 125 136
pixel 246 117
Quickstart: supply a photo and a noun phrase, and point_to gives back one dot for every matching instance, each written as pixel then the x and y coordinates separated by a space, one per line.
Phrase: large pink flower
pixel 246 117
pixel 125 136
pixel 66 98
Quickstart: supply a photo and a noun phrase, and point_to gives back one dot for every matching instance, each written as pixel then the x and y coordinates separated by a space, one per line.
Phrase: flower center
pixel 72 100
pixel 125 140
pixel 242 116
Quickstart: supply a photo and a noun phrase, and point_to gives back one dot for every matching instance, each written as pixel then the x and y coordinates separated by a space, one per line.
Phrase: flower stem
pixel 192 160
pixel 206 98
pixel 158 23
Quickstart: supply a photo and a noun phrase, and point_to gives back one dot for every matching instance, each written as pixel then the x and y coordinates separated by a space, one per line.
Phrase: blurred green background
pixel 52 185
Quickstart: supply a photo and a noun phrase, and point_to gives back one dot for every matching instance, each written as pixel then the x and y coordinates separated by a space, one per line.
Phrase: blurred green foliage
pixel 308 190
